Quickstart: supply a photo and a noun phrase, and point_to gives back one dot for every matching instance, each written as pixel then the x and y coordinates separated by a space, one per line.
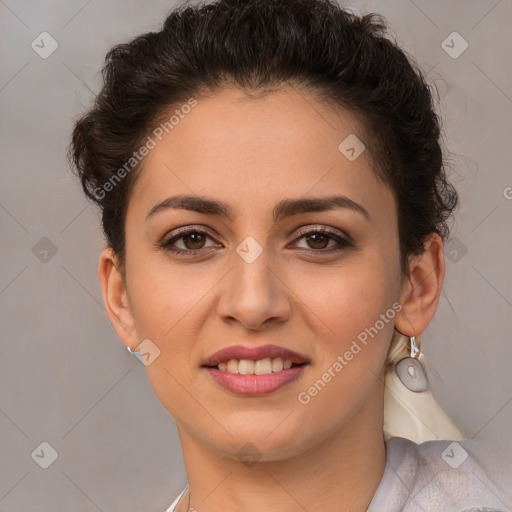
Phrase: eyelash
pixel 344 243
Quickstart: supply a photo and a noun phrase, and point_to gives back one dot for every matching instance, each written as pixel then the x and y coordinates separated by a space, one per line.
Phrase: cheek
pixel 349 298
pixel 166 304
pixel 165 300
pixel 172 304
pixel 353 317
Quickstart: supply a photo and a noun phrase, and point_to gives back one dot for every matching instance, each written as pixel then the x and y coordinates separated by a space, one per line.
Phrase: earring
pixel 410 370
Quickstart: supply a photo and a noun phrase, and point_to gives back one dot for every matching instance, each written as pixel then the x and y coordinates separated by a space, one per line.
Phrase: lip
pixel 254 354
pixel 255 385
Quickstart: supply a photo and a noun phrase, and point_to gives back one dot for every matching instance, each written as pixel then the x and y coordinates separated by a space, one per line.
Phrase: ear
pixel 116 300
pixel 421 291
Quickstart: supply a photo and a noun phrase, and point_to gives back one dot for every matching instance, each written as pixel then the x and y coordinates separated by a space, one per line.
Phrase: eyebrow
pixel 283 209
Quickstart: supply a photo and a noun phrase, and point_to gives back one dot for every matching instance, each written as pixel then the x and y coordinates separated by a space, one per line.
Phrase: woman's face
pixel 256 280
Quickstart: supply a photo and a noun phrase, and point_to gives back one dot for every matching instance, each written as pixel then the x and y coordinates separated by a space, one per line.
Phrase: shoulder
pixel 435 475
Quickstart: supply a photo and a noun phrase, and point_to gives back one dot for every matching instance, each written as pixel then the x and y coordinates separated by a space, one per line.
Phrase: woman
pixel 275 204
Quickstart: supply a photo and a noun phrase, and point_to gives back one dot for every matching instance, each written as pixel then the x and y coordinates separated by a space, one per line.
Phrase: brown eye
pixel 191 240
pixel 196 240
pixel 317 241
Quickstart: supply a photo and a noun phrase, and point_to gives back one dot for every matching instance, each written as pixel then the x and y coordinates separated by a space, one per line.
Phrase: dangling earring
pixel 410 370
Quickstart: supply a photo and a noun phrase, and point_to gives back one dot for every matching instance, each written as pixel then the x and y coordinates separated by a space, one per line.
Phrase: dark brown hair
pixel 345 59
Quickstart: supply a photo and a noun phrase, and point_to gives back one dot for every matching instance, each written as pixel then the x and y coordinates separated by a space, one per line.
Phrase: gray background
pixel 67 380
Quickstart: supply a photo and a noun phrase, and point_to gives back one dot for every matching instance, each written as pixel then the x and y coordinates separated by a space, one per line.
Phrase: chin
pixel 265 438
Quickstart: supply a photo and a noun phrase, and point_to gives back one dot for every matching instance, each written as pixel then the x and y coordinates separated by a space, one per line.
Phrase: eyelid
pixel 341 238
pixel 187 229
pixel 323 229
pixel 178 233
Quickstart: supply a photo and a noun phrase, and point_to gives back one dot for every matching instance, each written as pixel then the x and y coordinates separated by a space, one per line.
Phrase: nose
pixel 255 294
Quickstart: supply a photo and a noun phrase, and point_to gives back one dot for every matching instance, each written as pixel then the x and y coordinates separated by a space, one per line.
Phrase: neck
pixel 340 473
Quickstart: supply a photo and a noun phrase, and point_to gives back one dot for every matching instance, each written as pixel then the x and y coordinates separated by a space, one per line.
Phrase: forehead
pixel 254 151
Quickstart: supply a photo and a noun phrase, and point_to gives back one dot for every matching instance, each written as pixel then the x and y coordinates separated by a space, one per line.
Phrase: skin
pixel 327 455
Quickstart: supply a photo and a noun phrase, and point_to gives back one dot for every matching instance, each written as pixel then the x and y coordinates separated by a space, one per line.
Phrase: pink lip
pixel 254 354
pixel 255 385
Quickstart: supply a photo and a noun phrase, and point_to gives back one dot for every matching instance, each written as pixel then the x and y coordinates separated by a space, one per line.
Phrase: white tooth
pixel 263 366
pixel 277 364
pixel 232 366
pixel 245 367
pixel 260 367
